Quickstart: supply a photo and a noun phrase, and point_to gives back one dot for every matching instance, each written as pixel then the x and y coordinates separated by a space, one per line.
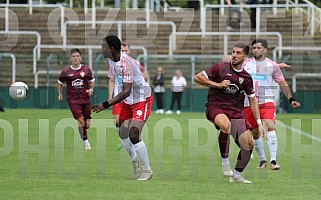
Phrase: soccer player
pixel 264 71
pixel 80 86
pixel 228 83
pixel 136 97
pixel 113 91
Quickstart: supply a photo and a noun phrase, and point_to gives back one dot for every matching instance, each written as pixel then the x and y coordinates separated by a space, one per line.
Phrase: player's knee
pixel 81 121
pixel 226 128
pixel 134 135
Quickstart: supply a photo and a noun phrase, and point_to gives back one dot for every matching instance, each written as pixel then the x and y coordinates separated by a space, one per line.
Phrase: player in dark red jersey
pixel 228 84
pixel 80 85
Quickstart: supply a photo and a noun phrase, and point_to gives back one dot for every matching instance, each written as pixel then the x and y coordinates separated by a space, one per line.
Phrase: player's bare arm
pixel 111 85
pixel 284 65
pixel 59 89
pixel 256 113
pixel 90 91
pixel 127 87
pixel 287 92
pixel 202 79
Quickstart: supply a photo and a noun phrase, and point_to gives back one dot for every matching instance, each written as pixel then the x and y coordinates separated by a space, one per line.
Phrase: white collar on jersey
pixel 237 70
pixel 78 68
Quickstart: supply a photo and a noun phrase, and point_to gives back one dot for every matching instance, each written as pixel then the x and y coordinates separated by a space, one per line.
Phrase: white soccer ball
pixel 19 91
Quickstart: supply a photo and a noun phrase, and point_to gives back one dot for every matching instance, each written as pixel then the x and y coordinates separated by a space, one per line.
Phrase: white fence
pixel 13 58
pixel 90 48
pixel 225 34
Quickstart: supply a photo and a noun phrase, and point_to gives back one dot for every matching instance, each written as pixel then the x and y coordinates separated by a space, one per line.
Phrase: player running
pixel 80 85
pixel 229 83
pixel 264 71
pixel 136 97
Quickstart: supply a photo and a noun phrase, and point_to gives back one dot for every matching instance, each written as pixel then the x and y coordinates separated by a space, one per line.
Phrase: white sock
pixel 225 161
pixel 237 173
pixel 128 145
pixel 259 148
pixel 86 142
pixel 141 152
pixel 272 142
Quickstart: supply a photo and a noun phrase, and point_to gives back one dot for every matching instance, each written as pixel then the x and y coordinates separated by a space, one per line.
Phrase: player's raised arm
pixel 202 79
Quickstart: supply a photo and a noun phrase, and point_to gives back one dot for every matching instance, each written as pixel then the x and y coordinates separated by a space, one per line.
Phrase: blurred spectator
pixel 159 90
pixel 178 84
pixel 145 73
pixel 230 13
pixel 253 13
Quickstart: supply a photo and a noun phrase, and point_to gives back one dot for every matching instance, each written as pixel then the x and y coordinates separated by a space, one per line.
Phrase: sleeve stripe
pixel 205 74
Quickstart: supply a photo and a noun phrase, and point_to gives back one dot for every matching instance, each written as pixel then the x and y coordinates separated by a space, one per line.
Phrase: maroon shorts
pixel 80 110
pixel 238 122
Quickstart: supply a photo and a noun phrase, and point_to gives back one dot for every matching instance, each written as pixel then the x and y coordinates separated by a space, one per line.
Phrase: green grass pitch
pixel 42 157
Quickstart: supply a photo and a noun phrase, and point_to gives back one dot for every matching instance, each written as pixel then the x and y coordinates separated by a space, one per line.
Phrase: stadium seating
pixel 154 38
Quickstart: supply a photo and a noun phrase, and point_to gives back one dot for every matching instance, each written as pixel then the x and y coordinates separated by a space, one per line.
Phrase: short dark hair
pixel 262 41
pixel 244 47
pixel 125 44
pixel 113 41
pixel 75 50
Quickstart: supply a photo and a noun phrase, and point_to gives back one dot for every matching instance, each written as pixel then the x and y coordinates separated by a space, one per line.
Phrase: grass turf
pixel 42 157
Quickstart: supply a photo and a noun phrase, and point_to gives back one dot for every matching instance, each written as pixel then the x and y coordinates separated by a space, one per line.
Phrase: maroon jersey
pixel 77 83
pixel 232 96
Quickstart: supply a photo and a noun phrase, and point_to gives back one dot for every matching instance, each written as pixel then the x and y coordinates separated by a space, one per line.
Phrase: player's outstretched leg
pixel 259 148
pixel 272 142
pixel 142 154
pixel 141 151
pixel 245 142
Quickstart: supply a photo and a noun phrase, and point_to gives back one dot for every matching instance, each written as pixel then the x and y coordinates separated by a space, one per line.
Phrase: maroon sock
pixel 224 143
pixel 84 133
pixel 243 159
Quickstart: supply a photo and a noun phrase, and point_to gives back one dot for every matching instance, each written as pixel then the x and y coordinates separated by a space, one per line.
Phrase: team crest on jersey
pixel 82 74
pixel 139 113
pixel 241 79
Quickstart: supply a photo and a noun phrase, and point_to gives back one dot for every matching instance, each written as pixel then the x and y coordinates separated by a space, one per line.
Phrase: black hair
pixel 262 41
pixel 244 47
pixel 113 41
pixel 75 51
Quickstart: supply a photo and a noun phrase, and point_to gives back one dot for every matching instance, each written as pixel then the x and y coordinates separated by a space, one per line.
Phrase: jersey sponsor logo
pixel 257 77
pixel 232 89
pixel 82 74
pixel 228 74
pixel 119 79
pixel 77 83
pixel 70 74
